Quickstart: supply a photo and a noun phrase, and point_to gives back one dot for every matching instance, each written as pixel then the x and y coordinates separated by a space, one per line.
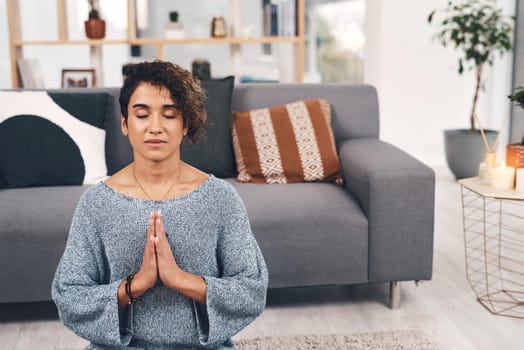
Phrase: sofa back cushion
pixel 214 153
pixel 52 138
pixel 354 107
pixel 354 113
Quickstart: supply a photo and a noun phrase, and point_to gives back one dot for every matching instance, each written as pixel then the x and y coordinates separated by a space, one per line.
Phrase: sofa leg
pixel 394 295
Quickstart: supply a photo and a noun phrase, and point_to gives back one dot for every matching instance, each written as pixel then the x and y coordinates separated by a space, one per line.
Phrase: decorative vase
pixel 95 28
pixel 218 27
pixel 515 155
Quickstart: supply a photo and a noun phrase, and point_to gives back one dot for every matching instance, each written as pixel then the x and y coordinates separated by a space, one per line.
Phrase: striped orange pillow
pixel 285 144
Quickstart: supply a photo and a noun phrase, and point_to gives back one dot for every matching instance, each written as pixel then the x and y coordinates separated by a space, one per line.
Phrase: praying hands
pixel 158 262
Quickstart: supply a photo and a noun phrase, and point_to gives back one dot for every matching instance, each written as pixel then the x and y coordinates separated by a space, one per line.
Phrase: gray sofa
pixel 377 228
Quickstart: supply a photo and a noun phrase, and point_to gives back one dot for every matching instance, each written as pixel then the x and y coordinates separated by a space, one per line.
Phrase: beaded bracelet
pixel 130 298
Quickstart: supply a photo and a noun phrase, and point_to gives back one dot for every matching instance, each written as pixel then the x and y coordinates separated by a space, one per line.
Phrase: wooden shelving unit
pixel 17 43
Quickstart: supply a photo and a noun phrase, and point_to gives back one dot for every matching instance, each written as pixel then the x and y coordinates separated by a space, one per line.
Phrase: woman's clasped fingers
pixel 163 249
pixel 168 269
pixel 159 227
pixel 148 273
pixel 151 235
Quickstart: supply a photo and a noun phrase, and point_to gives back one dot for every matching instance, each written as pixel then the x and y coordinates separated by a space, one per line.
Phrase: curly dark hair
pixel 184 88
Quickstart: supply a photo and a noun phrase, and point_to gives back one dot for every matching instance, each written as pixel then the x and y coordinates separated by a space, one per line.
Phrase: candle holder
pixel 515 155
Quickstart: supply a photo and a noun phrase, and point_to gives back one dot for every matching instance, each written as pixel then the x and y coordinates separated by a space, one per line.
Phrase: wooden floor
pixel 444 308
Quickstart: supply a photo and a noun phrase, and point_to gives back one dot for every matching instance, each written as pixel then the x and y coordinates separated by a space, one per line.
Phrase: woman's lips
pixel 155 142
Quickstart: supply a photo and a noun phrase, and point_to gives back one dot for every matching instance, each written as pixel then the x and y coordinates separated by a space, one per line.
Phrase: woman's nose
pixel 155 124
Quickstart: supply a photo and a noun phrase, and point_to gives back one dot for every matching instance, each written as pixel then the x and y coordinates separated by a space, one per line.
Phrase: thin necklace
pixel 168 190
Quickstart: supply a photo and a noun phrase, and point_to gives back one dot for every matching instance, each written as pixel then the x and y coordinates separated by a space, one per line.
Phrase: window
pixel 335 41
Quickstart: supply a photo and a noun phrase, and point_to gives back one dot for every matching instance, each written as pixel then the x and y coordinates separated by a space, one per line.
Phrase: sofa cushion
pixel 309 233
pixel 35 225
pixel 52 138
pixel 287 143
pixel 214 154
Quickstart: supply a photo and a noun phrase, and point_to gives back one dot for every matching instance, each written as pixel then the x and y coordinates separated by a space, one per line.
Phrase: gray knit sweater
pixel 210 235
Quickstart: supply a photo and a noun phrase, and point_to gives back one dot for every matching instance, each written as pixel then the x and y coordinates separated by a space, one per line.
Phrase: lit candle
pixel 520 180
pixel 502 178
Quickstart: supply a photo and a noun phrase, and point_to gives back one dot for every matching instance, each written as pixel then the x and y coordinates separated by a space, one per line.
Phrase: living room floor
pixel 444 308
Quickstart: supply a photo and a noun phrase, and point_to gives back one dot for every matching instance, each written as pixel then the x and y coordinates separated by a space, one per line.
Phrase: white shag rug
pixel 395 340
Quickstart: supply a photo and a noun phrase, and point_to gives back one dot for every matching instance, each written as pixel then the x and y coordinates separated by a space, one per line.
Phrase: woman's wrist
pixel 140 284
pixel 191 285
pixel 176 278
pixel 131 288
pixel 129 293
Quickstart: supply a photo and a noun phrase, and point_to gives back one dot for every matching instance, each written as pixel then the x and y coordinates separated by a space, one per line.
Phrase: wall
pixel 420 91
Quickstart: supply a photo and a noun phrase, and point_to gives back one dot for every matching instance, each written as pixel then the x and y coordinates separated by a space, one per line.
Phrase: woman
pixel 160 255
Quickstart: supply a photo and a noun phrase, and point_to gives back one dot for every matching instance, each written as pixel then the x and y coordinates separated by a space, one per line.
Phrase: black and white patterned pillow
pixel 52 138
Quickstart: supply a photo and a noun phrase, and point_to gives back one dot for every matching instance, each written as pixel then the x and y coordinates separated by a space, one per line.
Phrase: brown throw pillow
pixel 285 144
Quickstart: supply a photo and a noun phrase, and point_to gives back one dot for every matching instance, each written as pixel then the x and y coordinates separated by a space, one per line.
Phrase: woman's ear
pixel 124 125
pixel 185 127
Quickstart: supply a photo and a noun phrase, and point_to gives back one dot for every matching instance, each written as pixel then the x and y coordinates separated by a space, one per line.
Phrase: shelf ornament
pixel 95 26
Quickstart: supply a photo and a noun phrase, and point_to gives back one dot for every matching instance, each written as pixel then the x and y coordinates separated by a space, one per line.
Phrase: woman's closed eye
pixel 141 112
pixel 165 115
pixel 170 113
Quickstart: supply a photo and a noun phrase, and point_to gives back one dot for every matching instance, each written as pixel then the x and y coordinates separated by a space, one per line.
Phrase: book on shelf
pixel 266 17
pixel 30 73
pixel 250 79
pixel 279 17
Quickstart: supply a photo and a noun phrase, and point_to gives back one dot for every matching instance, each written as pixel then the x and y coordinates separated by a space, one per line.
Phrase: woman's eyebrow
pixel 143 105
pixel 140 105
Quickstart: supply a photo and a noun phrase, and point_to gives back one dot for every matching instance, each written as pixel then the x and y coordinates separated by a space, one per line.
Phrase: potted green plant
pixel 515 151
pixel 174 29
pixel 478 29
pixel 518 98
pixel 95 26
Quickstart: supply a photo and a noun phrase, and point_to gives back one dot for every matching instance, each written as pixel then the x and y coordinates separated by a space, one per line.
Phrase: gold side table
pixel 494 242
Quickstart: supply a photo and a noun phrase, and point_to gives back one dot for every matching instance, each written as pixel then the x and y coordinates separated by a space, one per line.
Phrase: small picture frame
pixel 78 78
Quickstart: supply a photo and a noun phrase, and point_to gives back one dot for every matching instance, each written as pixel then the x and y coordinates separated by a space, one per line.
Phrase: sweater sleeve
pixel 236 297
pixel 86 301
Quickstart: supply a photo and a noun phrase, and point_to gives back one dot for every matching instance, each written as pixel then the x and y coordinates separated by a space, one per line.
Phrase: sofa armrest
pixel 397 193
